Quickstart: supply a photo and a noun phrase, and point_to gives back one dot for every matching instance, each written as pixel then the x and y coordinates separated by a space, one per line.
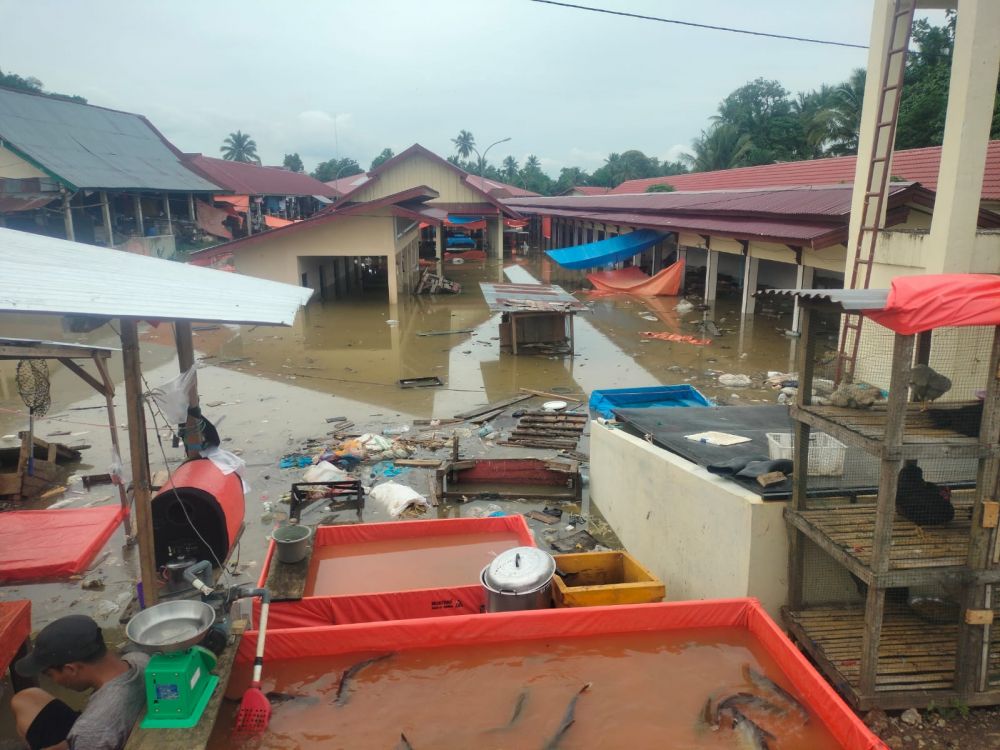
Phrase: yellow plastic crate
pixel 593 579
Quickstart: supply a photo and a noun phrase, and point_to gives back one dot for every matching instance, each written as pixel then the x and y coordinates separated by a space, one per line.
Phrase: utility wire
pixel 701 25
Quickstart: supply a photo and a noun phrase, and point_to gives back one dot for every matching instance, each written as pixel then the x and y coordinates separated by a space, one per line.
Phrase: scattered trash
pixel 393 498
pixel 324 471
pixel 684 307
pixel 734 381
pixel 431 381
pixel 543 517
pixel 581 541
pixel 398 429
pixel 60 504
pixel 335 419
pixel 294 460
pixel 93 583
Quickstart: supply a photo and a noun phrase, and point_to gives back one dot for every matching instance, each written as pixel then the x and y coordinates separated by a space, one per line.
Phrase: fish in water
pixel 350 673
pixel 518 707
pixel 759 680
pixel 747 700
pixel 753 735
pixel 276 699
pixel 568 718
pixel 404 744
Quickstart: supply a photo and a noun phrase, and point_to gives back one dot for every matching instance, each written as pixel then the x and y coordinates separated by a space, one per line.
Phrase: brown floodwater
pixel 424 562
pixel 646 690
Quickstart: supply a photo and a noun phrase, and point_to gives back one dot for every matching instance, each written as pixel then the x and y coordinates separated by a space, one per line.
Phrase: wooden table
pixel 15 634
pixel 196 737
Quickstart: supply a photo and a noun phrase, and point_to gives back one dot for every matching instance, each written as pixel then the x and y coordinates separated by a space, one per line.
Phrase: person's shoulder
pixel 137 659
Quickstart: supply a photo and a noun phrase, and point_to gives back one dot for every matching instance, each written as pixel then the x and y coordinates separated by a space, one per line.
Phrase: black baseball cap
pixel 68 639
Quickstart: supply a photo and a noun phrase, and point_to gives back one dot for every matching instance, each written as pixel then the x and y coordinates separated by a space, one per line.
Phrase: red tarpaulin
pixel 547 227
pixel 920 303
pixel 276 222
pixel 211 220
pixel 503 627
pixel 41 544
pixel 15 626
pixel 239 202
pixel 666 283
pixel 680 338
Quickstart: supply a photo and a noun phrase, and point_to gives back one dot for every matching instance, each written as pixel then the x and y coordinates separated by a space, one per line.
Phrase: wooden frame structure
pixel 882 654
pixel 70 355
pixel 533 315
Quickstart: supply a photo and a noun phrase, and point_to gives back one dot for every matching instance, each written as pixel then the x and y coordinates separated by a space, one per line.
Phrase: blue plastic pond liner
pixel 603 252
pixel 605 401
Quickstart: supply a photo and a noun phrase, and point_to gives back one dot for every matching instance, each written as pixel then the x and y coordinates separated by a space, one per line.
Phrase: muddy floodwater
pixel 646 690
pixel 404 564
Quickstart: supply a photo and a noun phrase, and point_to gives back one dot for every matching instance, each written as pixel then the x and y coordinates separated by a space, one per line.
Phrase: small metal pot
pixel 519 579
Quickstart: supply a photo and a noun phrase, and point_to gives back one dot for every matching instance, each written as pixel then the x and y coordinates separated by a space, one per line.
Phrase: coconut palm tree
pixel 846 103
pixel 720 147
pixel 465 143
pixel 510 168
pixel 239 146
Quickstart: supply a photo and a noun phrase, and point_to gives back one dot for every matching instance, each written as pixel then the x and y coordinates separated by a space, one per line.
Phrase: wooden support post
pixel 971 663
pixel 137 207
pixel 106 215
pixel 749 284
pixel 139 450
pixel 711 274
pixel 185 360
pixel 800 484
pixel 572 334
pixel 803 280
pixel 885 509
pixel 166 211
pixel 109 401
pixel 192 214
pixel 513 333
pixel 68 215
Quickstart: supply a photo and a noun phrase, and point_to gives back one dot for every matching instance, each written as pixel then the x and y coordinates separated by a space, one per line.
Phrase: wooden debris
pixel 446 333
pixel 159 479
pixel 772 477
pixel 555 396
pixel 426 381
pixel 420 463
pixel 435 422
pixel 91 480
pixel 54 492
pixel 543 517
pixel 492 407
pixel 576 456
pixel 432 283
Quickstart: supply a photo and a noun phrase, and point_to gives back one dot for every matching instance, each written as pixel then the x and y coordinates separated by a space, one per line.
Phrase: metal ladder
pixel 877 179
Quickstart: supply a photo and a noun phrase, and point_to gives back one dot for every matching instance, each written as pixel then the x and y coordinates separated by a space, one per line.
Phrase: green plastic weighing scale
pixel 179 679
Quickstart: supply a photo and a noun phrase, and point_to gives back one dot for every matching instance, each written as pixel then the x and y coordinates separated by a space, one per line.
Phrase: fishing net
pixel 33 385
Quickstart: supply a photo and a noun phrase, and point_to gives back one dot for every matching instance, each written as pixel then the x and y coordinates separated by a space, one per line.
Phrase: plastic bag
pixel 174 396
pixel 227 463
pixel 374 443
pixel 117 470
pixel 395 498
pixel 324 471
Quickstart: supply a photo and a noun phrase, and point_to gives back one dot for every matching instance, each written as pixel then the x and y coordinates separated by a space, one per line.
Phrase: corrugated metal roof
pixel 252 179
pixel 529 298
pixel 48 275
pixel 846 299
pixel 93 147
pixel 916 165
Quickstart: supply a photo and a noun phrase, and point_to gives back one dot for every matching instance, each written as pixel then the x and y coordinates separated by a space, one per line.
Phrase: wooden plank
pixel 420 463
pixel 492 407
pixel 85 376
pixel 554 396
pixel 991 514
pixel 109 406
pixel 195 738
pixel 287 582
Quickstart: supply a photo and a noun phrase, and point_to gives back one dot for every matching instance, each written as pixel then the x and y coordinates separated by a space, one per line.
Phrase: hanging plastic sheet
pixel 15 626
pixel 211 220
pixel 920 303
pixel 603 252
pixel 276 222
pixel 505 627
pixel 38 545
pixel 667 283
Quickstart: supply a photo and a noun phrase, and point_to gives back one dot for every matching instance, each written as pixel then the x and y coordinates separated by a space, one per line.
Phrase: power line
pixel 701 25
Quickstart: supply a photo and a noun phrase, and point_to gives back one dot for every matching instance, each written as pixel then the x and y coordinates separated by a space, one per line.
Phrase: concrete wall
pixel 415 171
pixel 14 167
pixel 705 537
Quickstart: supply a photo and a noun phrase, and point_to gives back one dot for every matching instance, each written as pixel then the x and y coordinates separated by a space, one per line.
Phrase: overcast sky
pixel 348 78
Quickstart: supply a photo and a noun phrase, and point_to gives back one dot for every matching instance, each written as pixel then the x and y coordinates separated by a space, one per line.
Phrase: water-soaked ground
pixel 270 390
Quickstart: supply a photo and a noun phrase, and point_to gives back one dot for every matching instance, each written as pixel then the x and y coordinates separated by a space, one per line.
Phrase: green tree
pixel 464 142
pixel 239 146
pixel 510 169
pixel 661 187
pixel 668 168
pixel 384 156
pixel 327 171
pixel 570 177
pixel 628 165
pixel 34 86
pixel 721 146
pixel 762 111
pixel 533 178
pixel 294 163
pixel 845 113
pixel 816 116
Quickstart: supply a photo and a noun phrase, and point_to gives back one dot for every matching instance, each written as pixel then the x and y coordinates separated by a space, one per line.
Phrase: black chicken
pixel 920 501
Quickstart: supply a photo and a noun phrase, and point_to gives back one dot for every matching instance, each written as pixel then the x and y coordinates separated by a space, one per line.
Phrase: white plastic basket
pixel 826 454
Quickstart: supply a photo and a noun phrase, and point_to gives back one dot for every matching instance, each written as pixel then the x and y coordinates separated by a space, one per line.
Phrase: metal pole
pixel 166 210
pixel 137 203
pixel 106 213
pixel 68 215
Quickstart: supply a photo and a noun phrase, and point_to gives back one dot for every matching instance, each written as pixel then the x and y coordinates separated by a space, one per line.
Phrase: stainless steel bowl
pixel 170 626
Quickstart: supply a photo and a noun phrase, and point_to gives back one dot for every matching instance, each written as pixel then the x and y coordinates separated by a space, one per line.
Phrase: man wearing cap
pixel 72 653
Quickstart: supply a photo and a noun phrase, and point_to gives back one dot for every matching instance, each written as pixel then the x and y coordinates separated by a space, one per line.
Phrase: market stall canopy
pixel 666 283
pixel 603 252
pixel 529 298
pixel 48 275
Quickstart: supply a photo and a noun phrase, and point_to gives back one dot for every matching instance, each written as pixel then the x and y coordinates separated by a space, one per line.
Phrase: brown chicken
pixel 927 384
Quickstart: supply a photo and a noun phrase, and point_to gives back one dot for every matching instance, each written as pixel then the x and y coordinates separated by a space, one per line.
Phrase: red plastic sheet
pixel 15 626
pixel 547 227
pixel 276 222
pixel 680 338
pixel 823 701
pixel 666 283
pixel 920 303
pixel 41 544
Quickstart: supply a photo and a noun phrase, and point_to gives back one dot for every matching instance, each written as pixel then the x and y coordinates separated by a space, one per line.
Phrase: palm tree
pixel 240 146
pixel 510 168
pixel 814 112
pixel 532 164
pixel 720 147
pixel 846 103
pixel 465 143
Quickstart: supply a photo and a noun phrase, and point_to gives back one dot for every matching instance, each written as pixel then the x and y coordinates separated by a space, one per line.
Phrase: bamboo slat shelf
pixel 846 533
pixel 916 664
pixel 865 429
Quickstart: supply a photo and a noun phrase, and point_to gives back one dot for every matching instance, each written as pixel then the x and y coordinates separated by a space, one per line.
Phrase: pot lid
pixel 519 570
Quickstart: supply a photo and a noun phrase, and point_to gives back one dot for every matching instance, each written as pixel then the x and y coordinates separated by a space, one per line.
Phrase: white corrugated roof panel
pixel 40 274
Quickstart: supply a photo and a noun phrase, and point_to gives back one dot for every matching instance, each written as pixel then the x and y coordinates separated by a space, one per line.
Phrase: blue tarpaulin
pixel 463 219
pixel 603 252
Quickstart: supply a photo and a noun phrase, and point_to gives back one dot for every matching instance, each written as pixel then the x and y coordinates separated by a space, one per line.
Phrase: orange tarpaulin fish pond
pixel 666 283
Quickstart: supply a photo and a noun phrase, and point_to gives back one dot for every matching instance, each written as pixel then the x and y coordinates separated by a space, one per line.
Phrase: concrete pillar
pixel 657 264
pixel 749 284
pixel 392 279
pixel 439 242
pixel 192 214
pixel 577 233
pixel 499 236
pixel 106 215
pixel 971 96
pixel 166 211
pixel 682 254
pixel 68 216
pixel 711 275
pixel 803 280
pixel 137 207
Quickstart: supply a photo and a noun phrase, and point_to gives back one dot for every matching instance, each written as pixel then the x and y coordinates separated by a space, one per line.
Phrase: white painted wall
pixel 704 536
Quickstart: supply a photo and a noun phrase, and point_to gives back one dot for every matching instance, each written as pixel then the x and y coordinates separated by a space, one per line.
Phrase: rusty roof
pixel 252 179
pixel 530 298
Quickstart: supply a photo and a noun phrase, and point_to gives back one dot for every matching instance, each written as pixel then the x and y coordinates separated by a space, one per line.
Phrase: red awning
pixel 239 202
pixel 276 222
pixel 920 303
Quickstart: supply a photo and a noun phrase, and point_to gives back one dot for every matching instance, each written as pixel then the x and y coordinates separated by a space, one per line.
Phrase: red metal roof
pixel 250 179
pixel 914 165
pixel 345 185
pixel 487 185
pixel 586 190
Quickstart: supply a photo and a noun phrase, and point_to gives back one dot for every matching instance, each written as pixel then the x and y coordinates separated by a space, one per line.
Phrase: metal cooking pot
pixel 518 579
